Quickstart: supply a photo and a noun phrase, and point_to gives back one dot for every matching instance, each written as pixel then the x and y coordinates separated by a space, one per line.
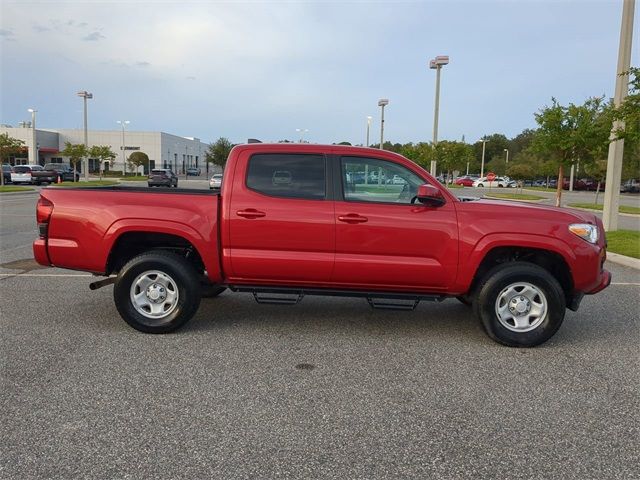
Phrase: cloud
pixel 190 77
pixel 143 64
pixel 93 37
pixel 40 28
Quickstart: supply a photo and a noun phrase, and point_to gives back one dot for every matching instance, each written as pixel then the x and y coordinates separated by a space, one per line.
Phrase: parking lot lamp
pixel 484 144
pixel 616 146
pixel 437 64
pixel 302 131
pixel 33 149
pixel 507 159
pixel 85 96
pixel 383 102
pixel 369 118
pixel 124 158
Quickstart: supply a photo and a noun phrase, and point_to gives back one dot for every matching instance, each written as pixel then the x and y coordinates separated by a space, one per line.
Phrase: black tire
pixel 184 279
pixel 496 281
pixel 209 291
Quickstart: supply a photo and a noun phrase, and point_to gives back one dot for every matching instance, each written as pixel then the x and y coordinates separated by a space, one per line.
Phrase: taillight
pixel 44 209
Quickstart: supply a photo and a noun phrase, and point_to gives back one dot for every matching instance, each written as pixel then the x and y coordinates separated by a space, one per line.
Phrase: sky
pixel 262 69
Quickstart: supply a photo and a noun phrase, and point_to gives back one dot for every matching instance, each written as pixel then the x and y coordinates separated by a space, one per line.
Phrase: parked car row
pixel 37 174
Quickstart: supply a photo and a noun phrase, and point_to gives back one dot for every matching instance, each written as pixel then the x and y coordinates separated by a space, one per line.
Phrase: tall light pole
pixel 484 144
pixel 369 118
pixel 85 95
pixel 124 158
pixel 33 150
pixel 437 64
pixel 507 159
pixel 302 131
pixel 383 102
pixel 616 147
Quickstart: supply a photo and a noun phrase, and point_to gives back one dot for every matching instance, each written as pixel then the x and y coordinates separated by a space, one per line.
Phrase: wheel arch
pixel 550 260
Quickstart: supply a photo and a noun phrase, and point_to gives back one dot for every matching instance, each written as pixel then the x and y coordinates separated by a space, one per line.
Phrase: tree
pixel 8 145
pixel 139 159
pixel 571 133
pixel 76 152
pixel 218 152
pixel 101 153
pixel 520 172
pixel 598 171
pixel 452 155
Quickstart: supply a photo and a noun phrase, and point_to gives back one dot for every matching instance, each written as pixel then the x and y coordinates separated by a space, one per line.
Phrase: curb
pixel 23 192
pixel 624 260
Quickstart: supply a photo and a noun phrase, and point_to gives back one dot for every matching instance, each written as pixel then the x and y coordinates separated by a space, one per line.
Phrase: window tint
pixel 21 169
pixel 287 175
pixel 372 180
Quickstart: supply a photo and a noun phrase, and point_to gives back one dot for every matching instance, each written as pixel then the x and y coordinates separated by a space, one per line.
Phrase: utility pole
pixel 383 102
pixel 437 64
pixel 616 147
pixel 85 95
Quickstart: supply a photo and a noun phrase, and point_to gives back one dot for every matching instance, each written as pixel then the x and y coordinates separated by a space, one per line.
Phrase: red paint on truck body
pixel 245 237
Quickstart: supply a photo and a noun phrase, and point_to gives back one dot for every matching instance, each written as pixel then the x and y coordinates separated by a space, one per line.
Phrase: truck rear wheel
pixel 520 304
pixel 157 292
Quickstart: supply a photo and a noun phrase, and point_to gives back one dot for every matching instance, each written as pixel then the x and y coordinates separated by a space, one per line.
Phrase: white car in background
pixel 215 181
pixel 496 182
pixel 22 173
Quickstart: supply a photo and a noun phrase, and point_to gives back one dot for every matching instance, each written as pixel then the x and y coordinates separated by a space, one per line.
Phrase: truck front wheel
pixel 157 292
pixel 520 304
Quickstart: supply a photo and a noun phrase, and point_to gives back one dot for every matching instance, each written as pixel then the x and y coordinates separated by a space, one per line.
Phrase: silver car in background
pixel 215 181
pixel 22 173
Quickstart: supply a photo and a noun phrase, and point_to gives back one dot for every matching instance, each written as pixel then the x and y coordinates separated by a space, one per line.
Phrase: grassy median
pixel 595 206
pixel 514 196
pixel 90 183
pixel 624 242
pixel 14 188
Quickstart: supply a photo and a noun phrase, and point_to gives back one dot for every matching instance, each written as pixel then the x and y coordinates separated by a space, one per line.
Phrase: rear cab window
pixel 301 176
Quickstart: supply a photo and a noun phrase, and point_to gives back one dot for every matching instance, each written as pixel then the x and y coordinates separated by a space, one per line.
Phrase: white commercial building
pixel 163 149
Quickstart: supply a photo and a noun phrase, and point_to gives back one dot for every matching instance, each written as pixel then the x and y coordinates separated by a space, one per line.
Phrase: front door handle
pixel 352 218
pixel 250 213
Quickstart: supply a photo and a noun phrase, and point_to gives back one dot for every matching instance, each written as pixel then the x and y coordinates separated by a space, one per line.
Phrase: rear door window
pixel 288 175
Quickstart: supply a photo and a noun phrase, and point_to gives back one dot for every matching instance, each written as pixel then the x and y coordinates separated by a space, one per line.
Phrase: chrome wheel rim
pixel 521 307
pixel 154 294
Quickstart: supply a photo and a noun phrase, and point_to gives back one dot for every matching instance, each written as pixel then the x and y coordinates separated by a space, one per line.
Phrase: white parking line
pixel 626 283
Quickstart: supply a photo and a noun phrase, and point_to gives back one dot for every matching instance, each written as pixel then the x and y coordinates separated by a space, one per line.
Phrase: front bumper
pixel 604 281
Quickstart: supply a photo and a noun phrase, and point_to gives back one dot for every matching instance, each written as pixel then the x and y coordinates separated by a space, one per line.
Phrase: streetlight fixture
pixel 437 64
pixel 383 102
pixel 484 144
pixel 302 131
pixel 369 118
pixel 124 158
pixel 33 151
pixel 85 95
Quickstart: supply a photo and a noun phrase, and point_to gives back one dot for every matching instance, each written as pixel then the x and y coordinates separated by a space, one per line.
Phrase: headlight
pixel 586 231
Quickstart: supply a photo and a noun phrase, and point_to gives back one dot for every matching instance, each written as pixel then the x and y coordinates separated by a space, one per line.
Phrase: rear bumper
pixel 159 182
pixel 40 252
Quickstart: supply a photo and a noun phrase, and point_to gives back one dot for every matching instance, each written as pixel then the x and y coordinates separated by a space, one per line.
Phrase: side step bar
pixel 293 295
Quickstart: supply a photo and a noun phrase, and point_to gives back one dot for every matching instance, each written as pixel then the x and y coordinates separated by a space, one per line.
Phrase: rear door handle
pixel 352 218
pixel 250 213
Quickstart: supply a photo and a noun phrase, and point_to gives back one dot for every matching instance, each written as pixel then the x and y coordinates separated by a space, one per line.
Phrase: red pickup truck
pixel 294 220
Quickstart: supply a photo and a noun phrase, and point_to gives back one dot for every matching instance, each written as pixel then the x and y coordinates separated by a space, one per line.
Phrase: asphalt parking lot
pixel 325 389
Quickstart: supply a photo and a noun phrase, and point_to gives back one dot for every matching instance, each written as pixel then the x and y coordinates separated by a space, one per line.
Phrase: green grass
pixel 90 183
pixel 137 178
pixel 624 242
pixel 454 185
pixel 375 188
pixel 593 206
pixel 541 189
pixel 14 188
pixel 515 196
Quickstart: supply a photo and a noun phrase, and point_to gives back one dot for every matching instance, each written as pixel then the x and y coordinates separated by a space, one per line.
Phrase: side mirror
pixel 430 195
